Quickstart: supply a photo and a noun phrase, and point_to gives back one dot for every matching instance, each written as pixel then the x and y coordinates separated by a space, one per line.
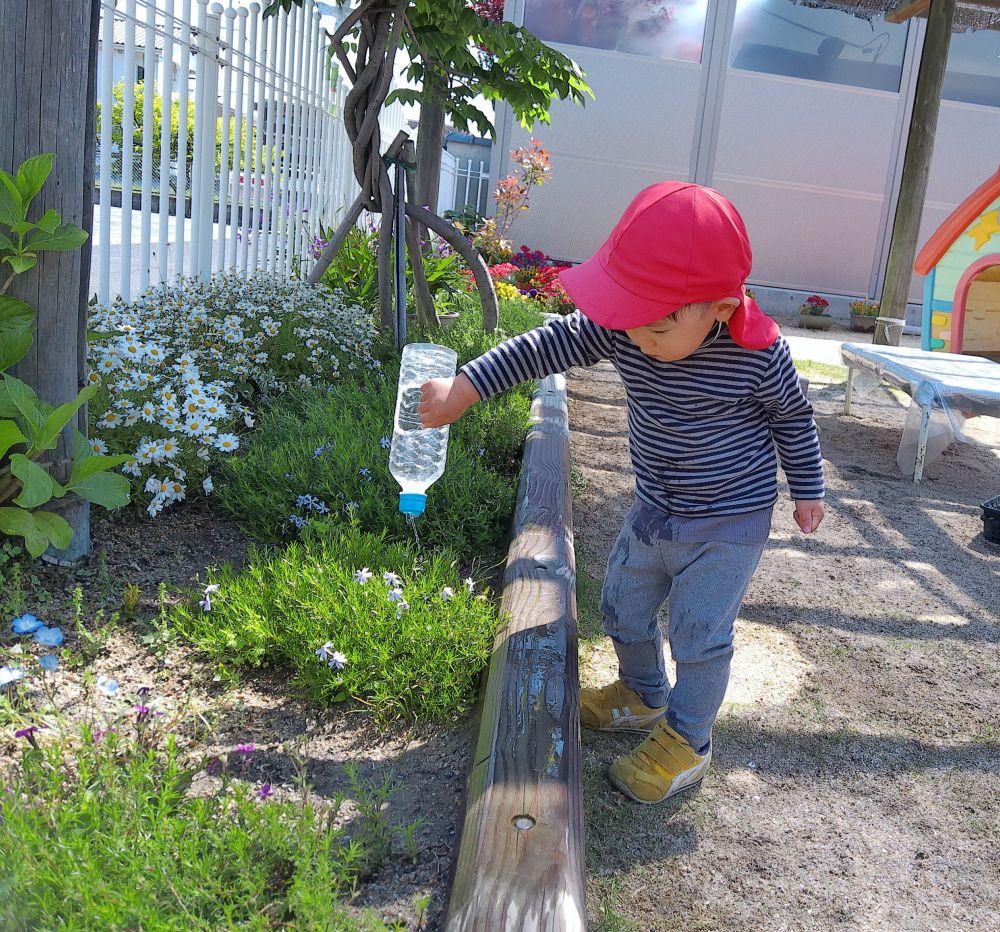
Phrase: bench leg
pixel 918 466
pixel 850 391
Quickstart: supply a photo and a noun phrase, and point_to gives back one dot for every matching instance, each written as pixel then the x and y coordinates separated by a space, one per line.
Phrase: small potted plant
pixel 813 315
pixel 863 315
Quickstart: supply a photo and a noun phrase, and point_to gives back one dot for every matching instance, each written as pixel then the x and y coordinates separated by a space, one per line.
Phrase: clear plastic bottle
pixel 417 456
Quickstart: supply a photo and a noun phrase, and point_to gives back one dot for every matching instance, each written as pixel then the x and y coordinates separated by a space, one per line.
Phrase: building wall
pixel 798 115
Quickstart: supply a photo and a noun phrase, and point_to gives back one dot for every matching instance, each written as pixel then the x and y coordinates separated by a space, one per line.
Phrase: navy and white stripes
pixel 702 430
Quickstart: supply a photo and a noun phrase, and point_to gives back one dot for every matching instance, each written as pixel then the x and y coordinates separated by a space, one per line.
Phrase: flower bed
pixel 183 370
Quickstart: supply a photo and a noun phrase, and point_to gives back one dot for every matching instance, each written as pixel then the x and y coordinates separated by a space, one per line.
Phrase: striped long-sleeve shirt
pixel 702 430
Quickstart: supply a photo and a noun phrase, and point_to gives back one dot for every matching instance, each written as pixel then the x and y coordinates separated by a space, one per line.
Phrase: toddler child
pixel 712 393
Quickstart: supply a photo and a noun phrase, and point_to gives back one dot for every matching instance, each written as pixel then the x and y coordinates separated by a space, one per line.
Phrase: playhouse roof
pixel 957 223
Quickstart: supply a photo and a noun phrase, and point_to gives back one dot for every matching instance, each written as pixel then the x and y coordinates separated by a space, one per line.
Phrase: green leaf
pixel 21 264
pixel 107 489
pixel 95 463
pixel 25 226
pixel 59 418
pixel 57 528
pixel 11 206
pixel 18 400
pixel 6 242
pixel 32 175
pixel 13 311
pixel 10 435
pixel 17 522
pixel 38 487
pixel 14 343
pixel 49 221
pixel 64 237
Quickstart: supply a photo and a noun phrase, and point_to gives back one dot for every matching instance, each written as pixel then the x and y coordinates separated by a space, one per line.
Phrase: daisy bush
pixel 355 616
pixel 182 370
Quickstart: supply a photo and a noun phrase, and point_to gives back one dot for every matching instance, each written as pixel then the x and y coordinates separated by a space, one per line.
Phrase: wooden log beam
pixel 521 858
pixel 916 169
pixel 908 10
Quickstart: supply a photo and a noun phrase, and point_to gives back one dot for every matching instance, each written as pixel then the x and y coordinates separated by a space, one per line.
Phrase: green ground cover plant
pixel 120 829
pixel 326 454
pixel 354 616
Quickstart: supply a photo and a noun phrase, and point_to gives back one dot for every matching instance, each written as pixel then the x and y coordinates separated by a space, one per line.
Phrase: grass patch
pixel 105 834
pixel 588 601
pixel 415 654
pixel 821 371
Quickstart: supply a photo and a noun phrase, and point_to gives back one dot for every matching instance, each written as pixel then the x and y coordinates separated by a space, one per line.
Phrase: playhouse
pixel 961 262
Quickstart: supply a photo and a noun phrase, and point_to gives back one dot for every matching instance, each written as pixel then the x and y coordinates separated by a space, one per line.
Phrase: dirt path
pixel 857 758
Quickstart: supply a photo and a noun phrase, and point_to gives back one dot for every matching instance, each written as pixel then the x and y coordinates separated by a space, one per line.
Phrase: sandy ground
pixel 856 782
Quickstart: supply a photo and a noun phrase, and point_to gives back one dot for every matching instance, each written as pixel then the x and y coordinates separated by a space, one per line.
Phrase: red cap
pixel 676 244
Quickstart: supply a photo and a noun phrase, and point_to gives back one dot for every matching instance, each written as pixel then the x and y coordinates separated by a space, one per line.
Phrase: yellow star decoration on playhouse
pixel 988 225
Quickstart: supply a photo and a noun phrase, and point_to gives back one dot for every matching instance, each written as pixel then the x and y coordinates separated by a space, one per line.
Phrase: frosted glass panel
pixel 778 37
pixel 673 30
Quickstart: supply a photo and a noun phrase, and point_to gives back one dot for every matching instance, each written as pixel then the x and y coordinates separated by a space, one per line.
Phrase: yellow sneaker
pixel 616 708
pixel 662 766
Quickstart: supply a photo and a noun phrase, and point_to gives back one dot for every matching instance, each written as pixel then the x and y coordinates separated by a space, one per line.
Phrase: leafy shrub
pixel 409 644
pixel 30 427
pixel 354 270
pixel 183 367
pixel 107 835
pixel 327 453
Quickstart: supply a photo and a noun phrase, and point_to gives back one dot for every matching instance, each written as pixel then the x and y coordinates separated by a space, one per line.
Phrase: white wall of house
pixel 799 115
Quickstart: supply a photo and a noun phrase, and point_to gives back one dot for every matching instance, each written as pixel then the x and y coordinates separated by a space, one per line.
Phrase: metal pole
pixel 399 203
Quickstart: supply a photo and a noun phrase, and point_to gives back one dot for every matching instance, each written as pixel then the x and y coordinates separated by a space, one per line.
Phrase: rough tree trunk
pixel 430 133
pixel 48 56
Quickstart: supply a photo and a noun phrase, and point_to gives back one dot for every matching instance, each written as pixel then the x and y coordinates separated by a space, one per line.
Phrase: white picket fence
pixel 266 163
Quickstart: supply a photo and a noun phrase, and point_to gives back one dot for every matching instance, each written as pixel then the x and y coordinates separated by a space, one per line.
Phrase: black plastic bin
pixel 991 520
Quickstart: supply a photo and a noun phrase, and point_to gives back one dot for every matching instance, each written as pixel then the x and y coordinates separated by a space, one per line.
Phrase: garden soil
pixel 856 774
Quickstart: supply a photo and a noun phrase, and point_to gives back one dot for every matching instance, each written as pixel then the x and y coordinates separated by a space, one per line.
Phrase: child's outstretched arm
pixel 794 431
pixel 568 341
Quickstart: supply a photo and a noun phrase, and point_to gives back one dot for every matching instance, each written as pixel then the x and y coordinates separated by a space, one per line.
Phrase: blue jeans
pixel 704 584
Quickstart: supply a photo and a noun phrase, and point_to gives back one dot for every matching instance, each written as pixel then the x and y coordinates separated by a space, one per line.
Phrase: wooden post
pixel 48 57
pixel 521 857
pixel 916 168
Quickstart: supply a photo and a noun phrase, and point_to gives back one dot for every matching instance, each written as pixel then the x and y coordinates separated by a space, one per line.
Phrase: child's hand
pixel 444 401
pixel 808 515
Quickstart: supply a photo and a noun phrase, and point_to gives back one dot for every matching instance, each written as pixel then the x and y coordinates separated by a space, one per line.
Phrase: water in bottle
pixel 417 456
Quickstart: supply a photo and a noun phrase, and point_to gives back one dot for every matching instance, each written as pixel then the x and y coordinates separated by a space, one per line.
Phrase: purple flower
pixel 213 767
pixel 245 749
pixel 29 734
pixel 141 710
pixel 264 791
pixel 100 733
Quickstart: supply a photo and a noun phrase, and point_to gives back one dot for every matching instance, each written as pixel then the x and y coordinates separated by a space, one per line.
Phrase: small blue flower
pixel 49 662
pixel 107 686
pixel 320 507
pixel 304 501
pixel 365 472
pixel 10 675
pixel 49 637
pixel 298 521
pixel 385 443
pixel 26 623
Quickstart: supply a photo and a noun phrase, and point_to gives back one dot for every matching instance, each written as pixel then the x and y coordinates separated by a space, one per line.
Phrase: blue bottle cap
pixel 412 503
